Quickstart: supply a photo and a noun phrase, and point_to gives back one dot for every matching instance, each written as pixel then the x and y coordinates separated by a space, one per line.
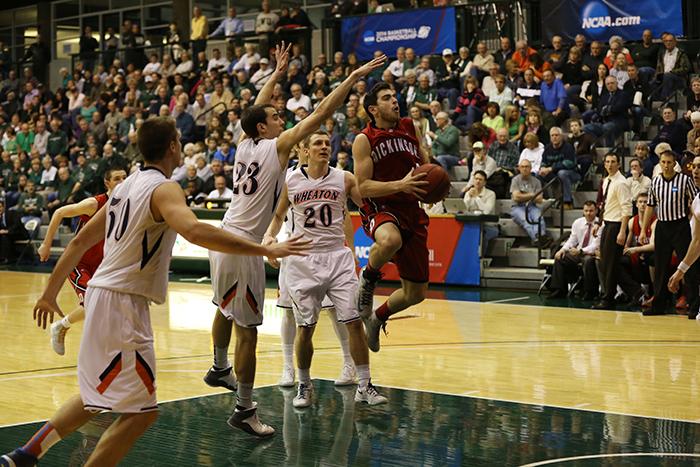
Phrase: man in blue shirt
pixel 185 124
pixel 553 97
pixel 229 26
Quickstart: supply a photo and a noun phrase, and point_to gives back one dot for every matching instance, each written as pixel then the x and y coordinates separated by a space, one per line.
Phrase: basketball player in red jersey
pixel 92 258
pixel 385 153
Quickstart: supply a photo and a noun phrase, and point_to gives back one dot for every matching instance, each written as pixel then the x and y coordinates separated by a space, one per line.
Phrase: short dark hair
pixel 372 95
pixel 252 116
pixel 589 203
pixel 613 154
pixel 493 105
pixel 480 172
pixel 109 172
pixel 154 137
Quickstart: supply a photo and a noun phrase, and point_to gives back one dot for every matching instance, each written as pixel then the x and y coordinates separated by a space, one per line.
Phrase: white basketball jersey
pixel 318 207
pixel 258 180
pixel 695 208
pixel 137 248
pixel 288 219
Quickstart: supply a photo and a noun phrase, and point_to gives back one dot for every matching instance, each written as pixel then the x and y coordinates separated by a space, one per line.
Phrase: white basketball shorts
pixel 310 278
pixel 283 300
pixel 239 287
pixel 117 362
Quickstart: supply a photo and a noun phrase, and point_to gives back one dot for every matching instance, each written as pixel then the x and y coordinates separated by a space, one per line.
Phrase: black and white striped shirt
pixel 672 197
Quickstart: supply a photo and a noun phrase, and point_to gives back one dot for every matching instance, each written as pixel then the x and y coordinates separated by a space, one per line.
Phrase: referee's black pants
pixel 610 254
pixel 672 236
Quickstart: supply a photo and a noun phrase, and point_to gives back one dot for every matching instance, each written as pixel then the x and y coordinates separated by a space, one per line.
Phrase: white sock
pixel 363 376
pixel 245 395
pixel 341 330
pixel 304 375
pixel 221 357
pixel 65 322
pixel 288 331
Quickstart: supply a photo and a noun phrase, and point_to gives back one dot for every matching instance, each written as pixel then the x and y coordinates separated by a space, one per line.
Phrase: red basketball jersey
pixel 93 257
pixel 395 152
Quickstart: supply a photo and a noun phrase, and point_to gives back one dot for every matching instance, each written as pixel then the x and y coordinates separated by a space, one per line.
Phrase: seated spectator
pixel 153 65
pixel 522 54
pixel 502 95
pixel 185 124
pixel 480 200
pixel 534 125
pixel 298 99
pixel 48 175
pixel 25 138
pixel 637 262
pixel 344 162
pixel 66 189
pixel 694 133
pixel 480 132
pixel 30 204
pixel 671 131
pixel 532 152
pixel 595 91
pixel 694 97
pixel 556 56
pixel 262 75
pixel 512 76
pixel 579 250
pixel 220 191
pixel 525 189
pixel 553 97
pixel 422 127
pixel 493 118
pixel 617 46
pixel 217 62
pixel 584 145
pixel 645 55
pixel 572 75
pixel 483 62
pixel 481 161
pixel 506 155
pixel 41 138
pixel 191 177
pixel 559 160
pixel 638 182
pixel 672 67
pixel 424 94
pixel 527 87
pixel 638 90
pixel 226 154
pixel 514 123
pixel 445 139
pixel 658 151
pixel 471 105
pixel 11 230
pixel 488 85
pixel 503 54
pixel 539 66
pixel 610 119
pixel 619 70
pixel 424 69
pixel 185 66
pixel 448 79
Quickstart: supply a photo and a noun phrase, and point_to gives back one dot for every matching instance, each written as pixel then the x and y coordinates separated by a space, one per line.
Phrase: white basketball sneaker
pixel 365 294
pixel 304 396
pixel 287 379
pixel 347 375
pixel 58 337
pixel 370 395
pixel 373 326
pixel 248 421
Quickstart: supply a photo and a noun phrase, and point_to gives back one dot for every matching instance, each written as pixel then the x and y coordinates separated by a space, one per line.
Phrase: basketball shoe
pixel 218 378
pixel 347 375
pixel 58 337
pixel 287 379
pixel 248 421
pixel 370 395
pixel 304 396
pixel 373 326
pixel 18 458
pixel 365 293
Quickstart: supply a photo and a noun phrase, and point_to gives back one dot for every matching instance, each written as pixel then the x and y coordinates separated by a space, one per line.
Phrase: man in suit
pixel 11 229
pixel 611 116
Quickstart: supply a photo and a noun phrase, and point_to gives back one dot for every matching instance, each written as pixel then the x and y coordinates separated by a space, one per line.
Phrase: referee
pixel 671 194
pixel 615 213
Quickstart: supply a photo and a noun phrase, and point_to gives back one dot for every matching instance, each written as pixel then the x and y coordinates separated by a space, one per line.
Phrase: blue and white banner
pixel 600 19
pixel 427 31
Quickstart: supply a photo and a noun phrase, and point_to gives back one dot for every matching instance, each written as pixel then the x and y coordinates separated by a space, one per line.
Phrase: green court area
pixel 414 429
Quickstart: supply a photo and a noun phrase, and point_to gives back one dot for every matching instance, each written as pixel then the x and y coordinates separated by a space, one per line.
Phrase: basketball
pixel 438 182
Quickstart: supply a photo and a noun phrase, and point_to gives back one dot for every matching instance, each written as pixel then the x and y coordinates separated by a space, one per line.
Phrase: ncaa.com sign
pixel 608 22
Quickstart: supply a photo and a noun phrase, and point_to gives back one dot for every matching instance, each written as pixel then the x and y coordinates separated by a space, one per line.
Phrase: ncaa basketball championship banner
pixel 600 19
pixel 427 31
pixel 453 251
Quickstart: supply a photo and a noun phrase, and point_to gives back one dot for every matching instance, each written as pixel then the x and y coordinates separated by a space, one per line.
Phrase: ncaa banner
pixel 600 19
pixel 453 251
pixel 427 31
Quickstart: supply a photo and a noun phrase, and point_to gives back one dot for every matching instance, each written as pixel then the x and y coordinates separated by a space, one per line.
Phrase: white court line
pixel 516 299
pixel 607 456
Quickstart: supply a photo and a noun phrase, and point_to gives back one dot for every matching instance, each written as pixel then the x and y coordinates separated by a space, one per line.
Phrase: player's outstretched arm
pixel 86 207
pixel 168 203
pixel 275 226
pixel 281 62
pixel 351 189
pixel 364 168
pixel 690 257
pixel 330 104
pixel 91 234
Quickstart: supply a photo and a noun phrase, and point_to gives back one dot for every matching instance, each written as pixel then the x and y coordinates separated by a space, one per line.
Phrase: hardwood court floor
pixel 620 363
